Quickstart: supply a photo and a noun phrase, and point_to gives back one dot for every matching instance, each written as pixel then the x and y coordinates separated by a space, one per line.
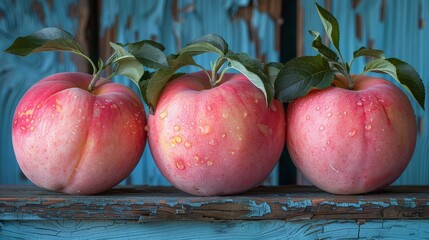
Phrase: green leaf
pixel 368 52
pixel 126 64
pixel 410 79
pixel 272 69
pixel 324 50
pixel 152 87
pixel 381 66
pixel 301 75
pixel 149 53
pixel 253 69
pixel 330 25
pixel 47 39
pixel 207 43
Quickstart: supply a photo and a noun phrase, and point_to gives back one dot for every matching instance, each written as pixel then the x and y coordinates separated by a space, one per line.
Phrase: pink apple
pixel 352 141
pixel 215 141
pixel 71 140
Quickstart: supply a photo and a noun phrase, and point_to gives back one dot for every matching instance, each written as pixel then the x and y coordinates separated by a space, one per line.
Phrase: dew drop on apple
pixel 321 128
pixel 163 114
pixel 180 164
pixel 307 117
pixel 317 108
pixel 206 129
pixel 209 163
pixel 273 107
pixel 178 139
pixel 244 114
pixel 176 128
pixel 223 135
pixel 114 106
pixel 208 108
pixel 359 103
pixel 352 133
pixel 329 114
pixel 213 142
pixel 188 144
pixel 368 127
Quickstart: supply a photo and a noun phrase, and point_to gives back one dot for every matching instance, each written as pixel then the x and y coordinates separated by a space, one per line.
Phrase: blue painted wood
pixel 399 34
pixel 273 229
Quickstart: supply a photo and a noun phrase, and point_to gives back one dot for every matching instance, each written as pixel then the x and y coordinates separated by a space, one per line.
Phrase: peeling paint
pixel 258 210
pixel 410 202
pixel 296 204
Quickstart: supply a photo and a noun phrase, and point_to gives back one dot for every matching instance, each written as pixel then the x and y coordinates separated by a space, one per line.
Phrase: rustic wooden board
pixel 270 229
pixel 145 204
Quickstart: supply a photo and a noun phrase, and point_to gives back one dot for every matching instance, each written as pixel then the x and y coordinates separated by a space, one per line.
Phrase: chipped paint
pixel 296 204
pixel 258 210
pixel 358 205
pixel 410 202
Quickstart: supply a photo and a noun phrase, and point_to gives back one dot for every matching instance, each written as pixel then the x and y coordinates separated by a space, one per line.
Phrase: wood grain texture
pixel 271 229
pixel 143 204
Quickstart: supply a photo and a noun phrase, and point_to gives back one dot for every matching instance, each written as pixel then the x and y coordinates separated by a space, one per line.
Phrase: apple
pixel 352 141
pixel 78 133
pixel 71 140
pixel 348 134
pixel 215 140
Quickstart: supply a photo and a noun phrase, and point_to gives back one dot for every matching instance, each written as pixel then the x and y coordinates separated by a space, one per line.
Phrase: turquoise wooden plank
pixel 399 34
pixel 274 229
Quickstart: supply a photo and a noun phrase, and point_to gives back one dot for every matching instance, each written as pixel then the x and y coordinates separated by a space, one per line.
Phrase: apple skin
pixel 70 140
pixel 215 141
pixel 352 141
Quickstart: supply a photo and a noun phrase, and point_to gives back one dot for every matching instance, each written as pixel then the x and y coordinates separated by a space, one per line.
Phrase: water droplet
pixel 223 135
pixel 359 103
pixel 178 139
pixel 146 128
pixel 176 128
pixel 208 108
pixel 180 164
pixel 163 114
pixel 196 157
pixel 209 163
pixel 255 100
pixel 326 106
pixel 352 132
pixel 273 107
pixel 381 100
pixel 225 115
pixel 307 117
pixel 172 144
pixel 244 114
pixel 205 129
pixel 321 128
pixel 231 153
pixel 39 106
pixel 328 142
pixel 323 149
pixel 328 115
pixel 345 113
pixel 32 128
pixel 188 144
pixel 368 127
pixel 23 128
pixel 317 108
pixel 114 106
pixel 213 142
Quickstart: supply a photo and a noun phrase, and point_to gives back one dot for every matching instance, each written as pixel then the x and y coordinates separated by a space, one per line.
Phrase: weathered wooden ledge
pixel 142 203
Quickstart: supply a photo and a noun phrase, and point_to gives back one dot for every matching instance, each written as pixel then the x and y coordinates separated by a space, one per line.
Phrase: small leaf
pixel 149 53
pixel 47 39
pixel 324 50
pixel 126 64
pixel 330 25
pixel 410 79
pixel 368 52
pixel 207 43
pixel 272 69
pixel 252 68
pixel 381 66
pixel 300 75
pixel 154 85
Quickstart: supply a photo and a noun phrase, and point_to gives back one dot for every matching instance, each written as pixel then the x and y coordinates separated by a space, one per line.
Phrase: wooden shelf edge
pixel 143 203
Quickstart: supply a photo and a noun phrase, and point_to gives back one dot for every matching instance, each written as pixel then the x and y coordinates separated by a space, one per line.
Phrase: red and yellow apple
pixel 71 140
pixel 215 140
pixel 352 141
